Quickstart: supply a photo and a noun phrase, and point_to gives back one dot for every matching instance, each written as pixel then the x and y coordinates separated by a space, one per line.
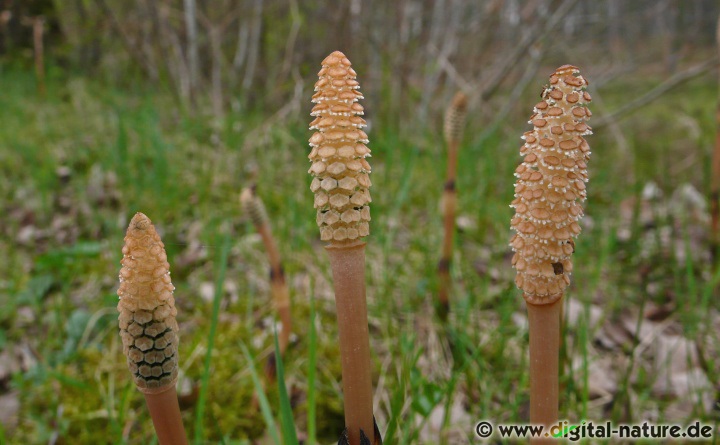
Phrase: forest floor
pixel 642 316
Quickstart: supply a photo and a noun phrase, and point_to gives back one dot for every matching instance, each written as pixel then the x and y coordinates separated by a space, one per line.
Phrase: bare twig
pixel 259 134
pixel 530 71
pixel 443 30
pixel 538 33
pixel 254 45
pixel 38 25
pixel 242 47
pixel 292 38
pixel 192 42
pixel 462 83
pixel 669 84
pixel 130 47
pixel 615 131
pixel 172 49
pixel 215 33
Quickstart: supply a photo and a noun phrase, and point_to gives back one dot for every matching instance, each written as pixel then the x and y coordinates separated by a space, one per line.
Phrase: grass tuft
pixel 217 298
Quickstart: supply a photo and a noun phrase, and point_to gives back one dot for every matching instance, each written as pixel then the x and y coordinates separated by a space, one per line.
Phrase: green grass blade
pixel 202 397
pixel 286 415
pixel 312 361
pixel 262 398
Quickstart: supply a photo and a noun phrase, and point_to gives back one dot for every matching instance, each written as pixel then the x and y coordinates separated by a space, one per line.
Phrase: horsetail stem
pixel 548 195
pixel 148 328
pixel 253 206
pixel 341 185
pixel 453 130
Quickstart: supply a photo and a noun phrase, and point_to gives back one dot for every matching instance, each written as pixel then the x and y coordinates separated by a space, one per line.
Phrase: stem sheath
pixel 544 322
pixel 348 268
pixel 281 296
pixel 449 205
pixel 715 186
pixel 165 412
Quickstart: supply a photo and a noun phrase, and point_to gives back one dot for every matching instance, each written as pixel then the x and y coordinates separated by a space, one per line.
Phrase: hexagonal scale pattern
pixel 148 328
pixel 341 174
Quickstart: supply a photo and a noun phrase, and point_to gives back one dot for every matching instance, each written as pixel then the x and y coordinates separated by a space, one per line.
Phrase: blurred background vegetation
pixel 257 54
pixel 170 107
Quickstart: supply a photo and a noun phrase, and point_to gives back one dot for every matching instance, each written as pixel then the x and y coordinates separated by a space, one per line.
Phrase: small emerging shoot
pixel 453 129
pixel 253 206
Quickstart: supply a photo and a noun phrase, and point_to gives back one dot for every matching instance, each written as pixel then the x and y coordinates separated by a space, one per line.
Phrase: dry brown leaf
pixel 578 313
pixel 694 389
pixel 675 363
pixel 637 329
pixel 657 313
pixel 602 379
pixel 102 187
pixel 9 365
pixel 459 423
pixel 9 408
pixel 613 335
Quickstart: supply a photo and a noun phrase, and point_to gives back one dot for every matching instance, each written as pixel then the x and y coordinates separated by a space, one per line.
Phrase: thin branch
pixel 254 45
pixel 170 44
pixel 621 142
pixel 292 38
pixel 131 48
pixel 452 73
pixel 192 50
pixel 258 135
pixel 444 26
pixel 530 71
pixel 669 84
pixel 516 55
pixel 242 47
pixel 215 33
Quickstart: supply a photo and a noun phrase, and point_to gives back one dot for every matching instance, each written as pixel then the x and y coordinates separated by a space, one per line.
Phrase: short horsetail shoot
pixel 549 191
pixel 148 328
pixel 341 184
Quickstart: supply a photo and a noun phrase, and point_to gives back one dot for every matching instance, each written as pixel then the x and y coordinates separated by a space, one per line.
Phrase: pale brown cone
pixel 455 118
pixel 148 327
pixel 550 188
pixel 253 206
pixel 341 174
